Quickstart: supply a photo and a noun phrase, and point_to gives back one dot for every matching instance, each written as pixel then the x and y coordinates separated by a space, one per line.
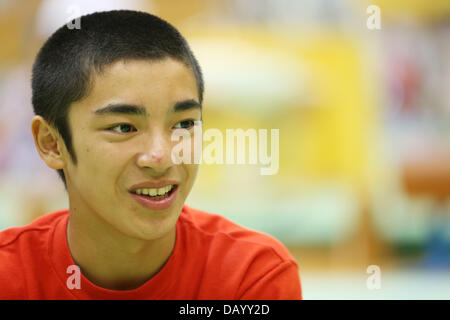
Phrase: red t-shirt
pixel 213 258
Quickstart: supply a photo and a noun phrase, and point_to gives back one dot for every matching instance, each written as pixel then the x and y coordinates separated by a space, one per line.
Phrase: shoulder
pixel 219 228
pixel 19 247
pixel 255 264
pixel 16 235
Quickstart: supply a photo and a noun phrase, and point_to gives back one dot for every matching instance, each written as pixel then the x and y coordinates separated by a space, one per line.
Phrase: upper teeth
pixel 153 191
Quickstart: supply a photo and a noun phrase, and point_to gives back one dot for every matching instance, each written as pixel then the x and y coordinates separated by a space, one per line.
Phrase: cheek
pixel 191 173
pixel 189 149
pixel 99 162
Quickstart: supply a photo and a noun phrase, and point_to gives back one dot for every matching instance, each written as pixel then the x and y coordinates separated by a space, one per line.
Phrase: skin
pixel 117 243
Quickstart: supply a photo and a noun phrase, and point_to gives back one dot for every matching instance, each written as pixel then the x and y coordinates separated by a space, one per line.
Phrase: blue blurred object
pixel 437 254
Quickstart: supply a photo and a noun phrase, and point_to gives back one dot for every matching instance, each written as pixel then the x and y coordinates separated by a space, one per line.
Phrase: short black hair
pixel 62 71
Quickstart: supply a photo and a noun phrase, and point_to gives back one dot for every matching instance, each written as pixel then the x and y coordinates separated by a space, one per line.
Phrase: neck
pixel 111 259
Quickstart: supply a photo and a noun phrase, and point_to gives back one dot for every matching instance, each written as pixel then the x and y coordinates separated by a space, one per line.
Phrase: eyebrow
pixel 122 109
pixel 186 105
pixel 130 109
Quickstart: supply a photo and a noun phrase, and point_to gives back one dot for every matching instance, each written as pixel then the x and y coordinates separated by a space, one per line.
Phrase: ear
pixel 48 143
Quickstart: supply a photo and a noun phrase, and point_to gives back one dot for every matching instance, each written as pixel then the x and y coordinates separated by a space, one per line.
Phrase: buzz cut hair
pixel 64 67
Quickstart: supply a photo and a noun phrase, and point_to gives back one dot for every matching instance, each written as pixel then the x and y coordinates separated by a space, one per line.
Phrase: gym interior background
pixel 363 113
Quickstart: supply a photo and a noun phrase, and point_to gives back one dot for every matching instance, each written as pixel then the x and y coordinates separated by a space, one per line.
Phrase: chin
pixel 151 226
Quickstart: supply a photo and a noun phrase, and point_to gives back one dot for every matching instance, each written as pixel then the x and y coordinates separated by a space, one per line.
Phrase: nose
pixel 156 153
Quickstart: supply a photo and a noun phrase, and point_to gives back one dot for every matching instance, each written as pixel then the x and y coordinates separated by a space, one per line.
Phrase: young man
pixel 107 99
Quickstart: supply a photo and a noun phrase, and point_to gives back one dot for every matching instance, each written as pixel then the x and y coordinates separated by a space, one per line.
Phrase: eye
pixel 185 124
pixel 123 128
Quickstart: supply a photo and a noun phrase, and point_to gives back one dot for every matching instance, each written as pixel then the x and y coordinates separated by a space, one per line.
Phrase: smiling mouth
pixel 156 193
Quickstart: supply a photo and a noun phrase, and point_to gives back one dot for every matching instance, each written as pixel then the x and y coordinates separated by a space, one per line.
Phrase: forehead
pixel 154 84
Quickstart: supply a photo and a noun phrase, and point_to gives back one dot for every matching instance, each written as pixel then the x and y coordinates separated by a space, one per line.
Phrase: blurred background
pixel 364 120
